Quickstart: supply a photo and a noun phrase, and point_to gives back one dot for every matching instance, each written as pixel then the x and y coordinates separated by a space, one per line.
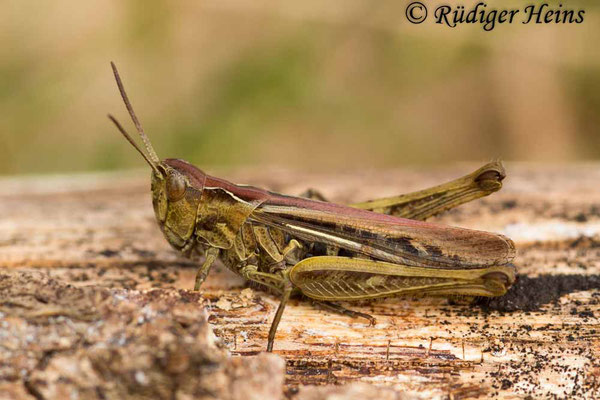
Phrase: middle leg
pixel 279 284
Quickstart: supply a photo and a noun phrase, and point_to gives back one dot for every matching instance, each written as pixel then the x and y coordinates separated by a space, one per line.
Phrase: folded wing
pixel 384 237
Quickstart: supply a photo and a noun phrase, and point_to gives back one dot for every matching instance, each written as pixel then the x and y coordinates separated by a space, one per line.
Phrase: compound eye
pixel 175 186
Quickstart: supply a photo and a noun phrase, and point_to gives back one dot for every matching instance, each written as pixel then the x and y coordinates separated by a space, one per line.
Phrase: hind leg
pixel 328 305
pixel 426 203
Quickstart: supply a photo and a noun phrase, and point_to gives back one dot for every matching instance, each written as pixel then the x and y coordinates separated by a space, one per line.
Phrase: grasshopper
pixel 325 251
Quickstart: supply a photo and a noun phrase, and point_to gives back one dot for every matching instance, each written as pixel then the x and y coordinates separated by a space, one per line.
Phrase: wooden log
pixel 82 252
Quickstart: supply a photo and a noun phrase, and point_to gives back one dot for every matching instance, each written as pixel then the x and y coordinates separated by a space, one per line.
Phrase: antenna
pixel 130 140
pixel 151 153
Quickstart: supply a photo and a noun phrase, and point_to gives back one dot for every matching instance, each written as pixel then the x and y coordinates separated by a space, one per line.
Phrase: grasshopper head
pixel 176 193
pixel 176 181
pixel 176 184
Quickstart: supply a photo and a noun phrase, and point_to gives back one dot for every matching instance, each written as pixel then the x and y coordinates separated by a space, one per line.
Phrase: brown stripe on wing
pixel 385 237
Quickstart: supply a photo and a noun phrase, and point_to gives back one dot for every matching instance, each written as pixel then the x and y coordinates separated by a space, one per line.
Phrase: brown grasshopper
pixel 325 251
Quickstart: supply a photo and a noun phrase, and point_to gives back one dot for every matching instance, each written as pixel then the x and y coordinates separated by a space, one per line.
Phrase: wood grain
pixel 98 232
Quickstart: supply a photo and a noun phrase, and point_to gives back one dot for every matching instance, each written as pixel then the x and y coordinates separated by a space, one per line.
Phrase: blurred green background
pixel 302 84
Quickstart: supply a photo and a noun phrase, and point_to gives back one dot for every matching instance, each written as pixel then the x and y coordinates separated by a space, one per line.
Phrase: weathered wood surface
pixel 97 233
